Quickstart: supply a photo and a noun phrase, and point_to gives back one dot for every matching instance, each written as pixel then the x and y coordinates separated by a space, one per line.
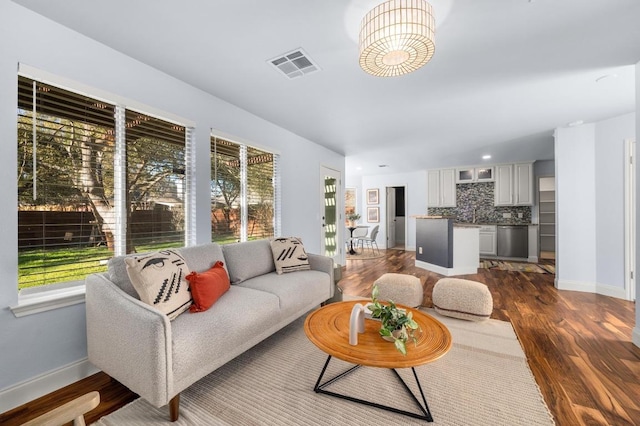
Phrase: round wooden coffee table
pixel 328 329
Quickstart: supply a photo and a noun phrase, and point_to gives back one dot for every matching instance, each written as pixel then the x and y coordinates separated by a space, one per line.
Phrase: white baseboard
pixel 635 336
pixel 532 259
pixel 611 291
pixel 587 287
pixel 448 272
pixel 45 383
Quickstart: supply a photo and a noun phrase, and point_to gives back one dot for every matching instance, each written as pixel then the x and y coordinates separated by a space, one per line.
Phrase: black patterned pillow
pixel 289 255
pixel 159 279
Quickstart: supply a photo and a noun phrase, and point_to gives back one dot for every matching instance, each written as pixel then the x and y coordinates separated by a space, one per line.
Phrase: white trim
pixel 575 286
pixel 596 288
pixel 241 141
pixel 102 95
pixel 611 291
pixel 629 219
pixel 635 336
pixel 45 383
pixel 446 271
pixel 47 298
pixel 532 259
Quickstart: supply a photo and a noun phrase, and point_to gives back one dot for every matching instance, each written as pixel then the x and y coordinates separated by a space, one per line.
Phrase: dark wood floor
pixel 578 345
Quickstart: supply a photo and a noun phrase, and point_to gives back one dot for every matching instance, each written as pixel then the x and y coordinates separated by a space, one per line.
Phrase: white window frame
pixel 54 296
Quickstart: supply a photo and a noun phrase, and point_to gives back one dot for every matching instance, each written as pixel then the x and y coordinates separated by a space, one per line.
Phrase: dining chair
pixel 370 241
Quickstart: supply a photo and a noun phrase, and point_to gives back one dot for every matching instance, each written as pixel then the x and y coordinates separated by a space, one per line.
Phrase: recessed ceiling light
pixel 576 123
pixel 486 157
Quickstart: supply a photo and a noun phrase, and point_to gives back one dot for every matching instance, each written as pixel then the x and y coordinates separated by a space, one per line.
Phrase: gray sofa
pixel 157 358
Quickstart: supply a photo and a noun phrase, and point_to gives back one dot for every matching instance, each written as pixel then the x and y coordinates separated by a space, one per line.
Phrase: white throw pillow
pixel 159 279
pixel 289 255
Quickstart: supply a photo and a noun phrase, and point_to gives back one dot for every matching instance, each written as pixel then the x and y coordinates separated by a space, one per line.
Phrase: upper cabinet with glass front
pixel 474 174
pixel 466 175
pixel 484 174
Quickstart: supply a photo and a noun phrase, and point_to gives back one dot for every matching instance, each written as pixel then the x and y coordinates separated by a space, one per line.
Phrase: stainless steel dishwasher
pixel 513 241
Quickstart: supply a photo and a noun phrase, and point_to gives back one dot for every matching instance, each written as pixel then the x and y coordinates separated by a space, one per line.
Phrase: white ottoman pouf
pixel 400 288
pixel 464 299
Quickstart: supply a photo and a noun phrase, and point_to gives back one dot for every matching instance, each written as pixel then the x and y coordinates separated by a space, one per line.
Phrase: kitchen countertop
pixel 495 223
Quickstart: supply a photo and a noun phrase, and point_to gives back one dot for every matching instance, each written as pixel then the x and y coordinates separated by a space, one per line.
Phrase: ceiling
pixel 504 75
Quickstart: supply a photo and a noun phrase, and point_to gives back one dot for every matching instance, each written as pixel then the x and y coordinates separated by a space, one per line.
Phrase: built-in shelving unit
pixel 547 216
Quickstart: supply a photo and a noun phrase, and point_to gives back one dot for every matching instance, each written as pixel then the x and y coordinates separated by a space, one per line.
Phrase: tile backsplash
pixel 479 196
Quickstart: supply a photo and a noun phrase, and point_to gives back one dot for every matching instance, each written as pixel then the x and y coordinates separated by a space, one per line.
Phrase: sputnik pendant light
pixel 397 37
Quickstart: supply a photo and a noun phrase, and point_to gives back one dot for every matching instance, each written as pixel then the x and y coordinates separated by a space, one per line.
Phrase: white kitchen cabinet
pixel 484 174
pixel 523 184
pixel 488 240
pixel 441 188
pixel 503 190
pixel 465 175
pixel 514 185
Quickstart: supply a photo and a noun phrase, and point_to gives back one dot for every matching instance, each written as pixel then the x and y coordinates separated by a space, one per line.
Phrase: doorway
pixel 547 215
pixel 396 217
pixel 331 213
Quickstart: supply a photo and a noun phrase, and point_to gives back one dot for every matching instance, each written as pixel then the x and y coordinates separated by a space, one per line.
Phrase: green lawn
pixel 71 264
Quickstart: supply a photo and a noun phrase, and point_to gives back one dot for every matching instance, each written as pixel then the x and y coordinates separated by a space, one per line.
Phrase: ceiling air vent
pixel 294 64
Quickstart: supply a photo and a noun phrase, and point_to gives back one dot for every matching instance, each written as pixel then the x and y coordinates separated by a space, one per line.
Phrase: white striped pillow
pixel 289 255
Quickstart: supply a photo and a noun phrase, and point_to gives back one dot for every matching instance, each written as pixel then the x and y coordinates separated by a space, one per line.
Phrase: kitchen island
pixel 445 247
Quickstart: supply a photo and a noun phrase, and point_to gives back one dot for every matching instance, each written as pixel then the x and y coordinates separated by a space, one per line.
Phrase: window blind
pixel 65 180
pixel 94 180
pixel 225 191
pixel 155 182
pixel 244 192
pixel 260 194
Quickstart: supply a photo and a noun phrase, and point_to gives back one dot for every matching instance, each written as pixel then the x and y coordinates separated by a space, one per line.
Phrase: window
pixel 243 192
pixel 155 183
pixel 71 189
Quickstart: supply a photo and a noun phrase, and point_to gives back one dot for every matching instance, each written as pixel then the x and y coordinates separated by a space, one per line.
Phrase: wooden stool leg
pixel 174 408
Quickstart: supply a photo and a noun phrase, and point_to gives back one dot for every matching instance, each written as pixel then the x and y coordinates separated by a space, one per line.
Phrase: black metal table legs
pixel 424 413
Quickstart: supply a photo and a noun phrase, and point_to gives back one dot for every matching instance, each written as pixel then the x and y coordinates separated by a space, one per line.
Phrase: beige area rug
pixel 517 266
pixel 365 255
pixel 483 381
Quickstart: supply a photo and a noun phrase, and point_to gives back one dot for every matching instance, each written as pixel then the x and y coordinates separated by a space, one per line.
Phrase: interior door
pixel 391 217
pixel 332 222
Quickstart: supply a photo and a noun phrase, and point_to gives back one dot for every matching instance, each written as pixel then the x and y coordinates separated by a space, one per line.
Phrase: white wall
pixel 415 198
pixel 575 207
pixel 609 154
pixel 590 205
pixel 44 342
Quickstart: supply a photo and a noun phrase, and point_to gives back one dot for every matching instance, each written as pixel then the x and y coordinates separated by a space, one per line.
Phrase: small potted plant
pixel 353 218
pixel 397 325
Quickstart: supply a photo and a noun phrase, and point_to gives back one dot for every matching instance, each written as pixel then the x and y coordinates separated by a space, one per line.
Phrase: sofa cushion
pixel 159 279
pixel 207 287
pixel 117 274
pixel 247 260
pixel 204 341
pixel 202 257
pixel 293 290
pixel 289 255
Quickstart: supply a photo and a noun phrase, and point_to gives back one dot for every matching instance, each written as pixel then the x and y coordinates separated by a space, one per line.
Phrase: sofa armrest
pixel 324 264
pixel 129 340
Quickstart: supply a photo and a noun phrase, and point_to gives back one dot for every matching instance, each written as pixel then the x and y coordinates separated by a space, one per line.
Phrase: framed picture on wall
pixel 373 214
pixel 372 196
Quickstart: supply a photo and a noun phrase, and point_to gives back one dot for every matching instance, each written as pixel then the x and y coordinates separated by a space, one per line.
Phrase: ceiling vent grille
pixel 294 64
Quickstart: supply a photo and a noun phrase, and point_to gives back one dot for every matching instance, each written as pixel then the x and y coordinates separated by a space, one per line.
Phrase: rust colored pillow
pixel 207 287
